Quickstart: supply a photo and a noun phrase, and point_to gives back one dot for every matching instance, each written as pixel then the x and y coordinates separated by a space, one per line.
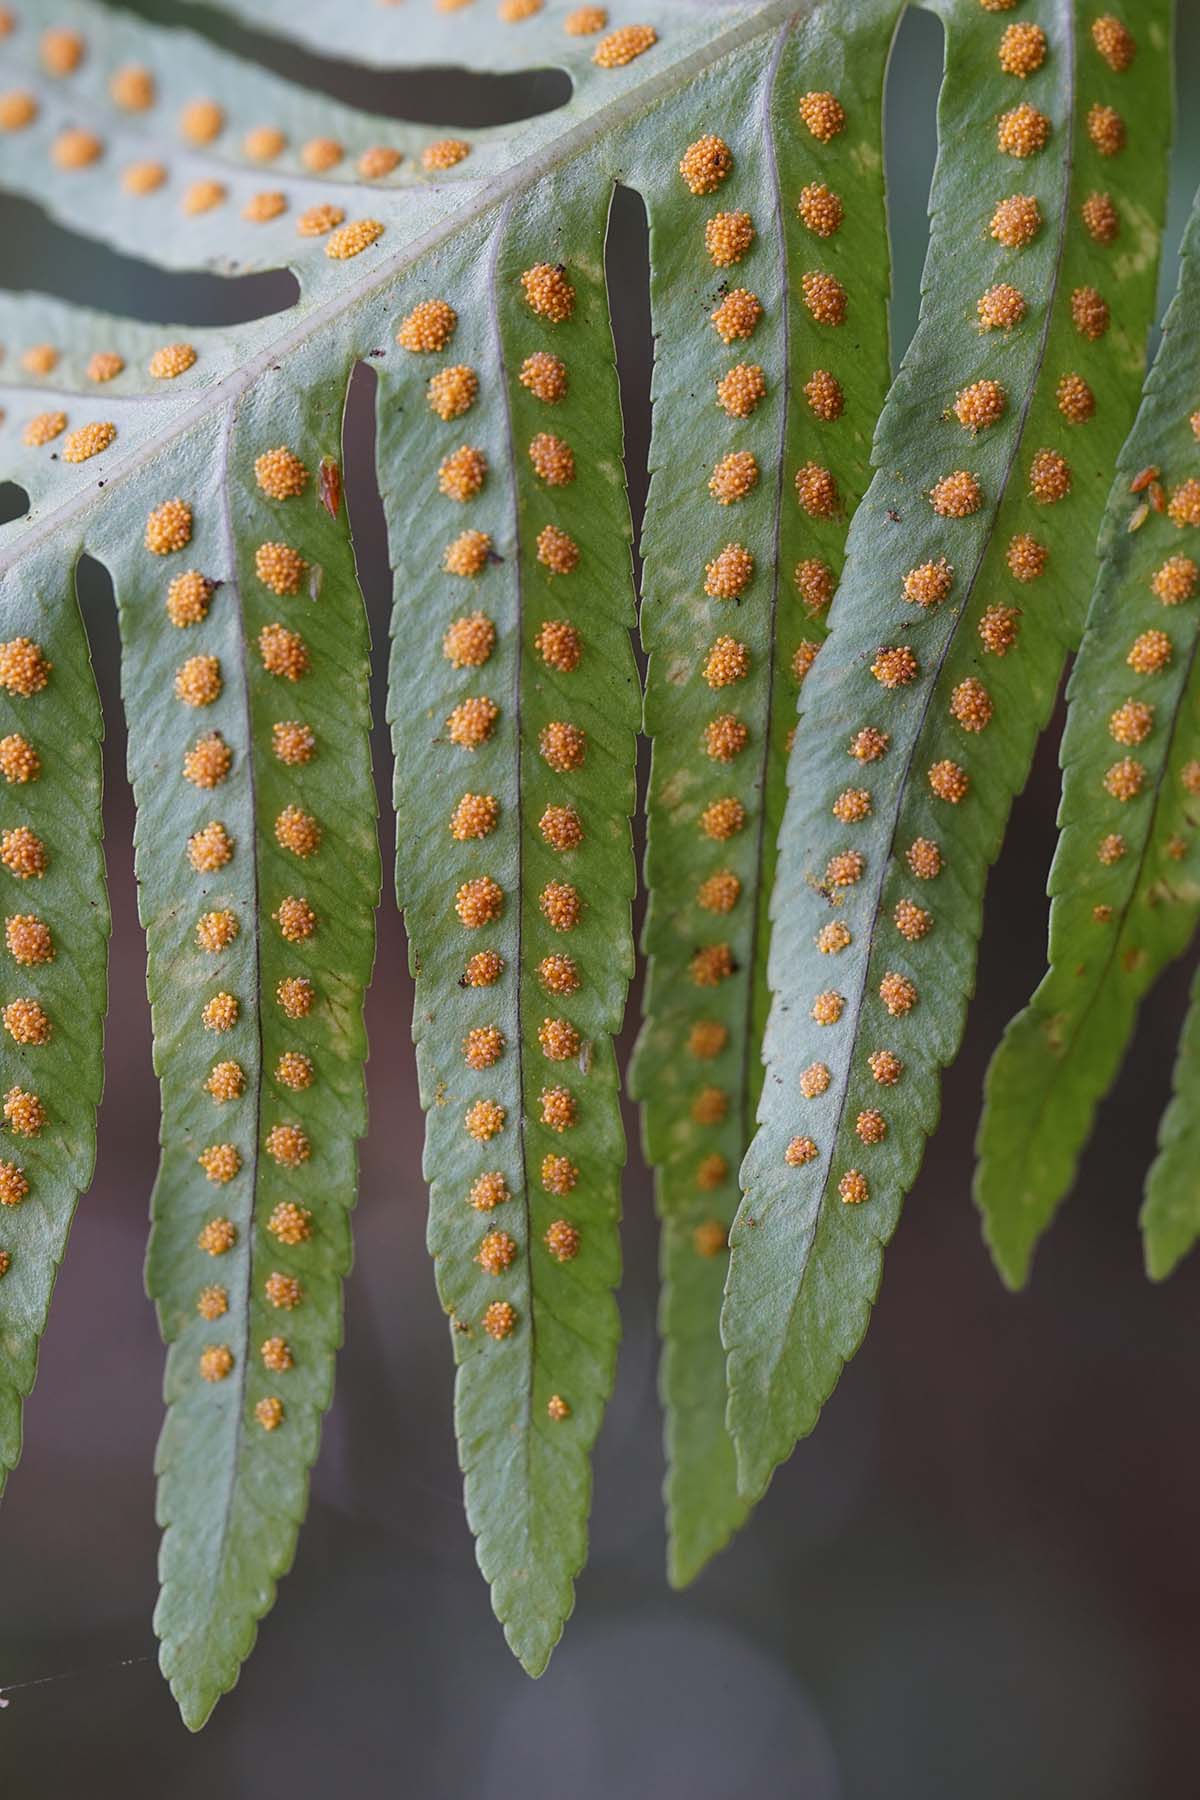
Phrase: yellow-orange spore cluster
pixel 1001 307
pixel 815 583
pixel 467 554
pixel 1023 132
pixel 1174 581
pixel 1022 49
pixel 820 209
pixel 562 746
pixel 1049 477
pixel 188 598
pixel 1106 128
pixel 552 458
pixel 822 114
pixel 1016 221
pixel 705 164
pixel 295 918
pixel 823 392
pixel 723 819
pixel 479 902
pixel 548 292
pixel 557 551
pixel 956 496
pixel 24 667
pixel 735 476
pixel 980 405
pixel 469 641
pixel 428 327
pixel 949 781
pixel 28 939
pixel 727 237
pixel 280 568
pixel 462 473
pixel 737 315
pixel 895 666
pixel 208 761
pixel 88 441
pixel 824 297
pixel 1150 652
pixel 623 45
pixel 452 391
pixel 297 831
pixel 352 239
pixel 545 376
pixel 740 390
pixel 475 816
pixel 998 628
pixel 1089 313
pixel 727 661
pixel 729 573
pixel 19 761
pixel 817 491
pixel 1100 218
pixel 280 474
pixel 23 853
pixel 169 527
pixel 1114 41
pixel 283 652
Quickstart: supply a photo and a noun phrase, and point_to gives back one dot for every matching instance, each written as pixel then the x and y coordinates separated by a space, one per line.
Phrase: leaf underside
pixel 557 918
pixel 807 1244
pixel 54 957
pixel 214 193
pixel 697 1067
pixel 1124 884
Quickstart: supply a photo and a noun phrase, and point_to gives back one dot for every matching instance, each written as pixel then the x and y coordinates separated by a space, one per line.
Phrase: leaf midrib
pixel 749 1045
pixel 232 1473
pixel 519 808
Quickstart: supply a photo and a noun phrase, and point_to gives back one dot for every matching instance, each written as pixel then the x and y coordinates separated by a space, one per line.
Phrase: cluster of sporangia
pixel 468 645
pixel 729 236
pixel 207 764
pixel 1021 132
pixel 203 123
pixel 24 674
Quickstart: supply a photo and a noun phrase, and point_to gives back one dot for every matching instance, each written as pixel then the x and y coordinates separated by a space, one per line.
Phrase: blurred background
pixel 980 1578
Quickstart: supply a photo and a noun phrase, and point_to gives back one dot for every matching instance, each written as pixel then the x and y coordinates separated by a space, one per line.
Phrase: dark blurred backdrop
pixel 981 1577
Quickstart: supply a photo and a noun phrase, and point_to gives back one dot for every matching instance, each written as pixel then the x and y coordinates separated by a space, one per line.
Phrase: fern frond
pixel 758 568
pixel 463 220
pixel 54 954
pixel 948 664
pixel 1124 883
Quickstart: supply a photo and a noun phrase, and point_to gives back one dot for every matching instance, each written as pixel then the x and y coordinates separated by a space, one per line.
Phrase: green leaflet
pixel 232 1491
pixel 1060 1055
pixel 55 947
pixel 281 1083
pixel 523 860
pixel 1171 1213
pixel 697 1066
pixel 807 1244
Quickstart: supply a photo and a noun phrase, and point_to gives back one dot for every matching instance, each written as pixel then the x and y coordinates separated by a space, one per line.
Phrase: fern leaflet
pixel 1123 884
pixel 798 397
pixel 935 642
